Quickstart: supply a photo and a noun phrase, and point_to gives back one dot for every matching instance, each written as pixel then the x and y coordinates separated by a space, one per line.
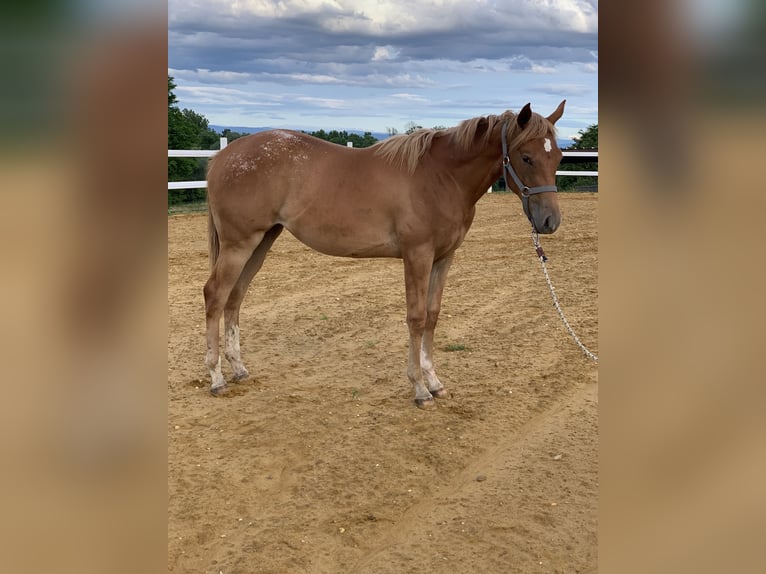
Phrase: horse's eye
pixel 526 159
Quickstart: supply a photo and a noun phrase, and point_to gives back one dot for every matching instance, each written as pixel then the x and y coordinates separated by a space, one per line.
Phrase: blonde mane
pixel 406 151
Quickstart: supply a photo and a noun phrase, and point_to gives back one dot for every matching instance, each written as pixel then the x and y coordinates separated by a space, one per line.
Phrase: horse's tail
pixel 214 246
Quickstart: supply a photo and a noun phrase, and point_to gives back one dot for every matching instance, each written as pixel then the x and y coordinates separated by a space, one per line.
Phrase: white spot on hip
pixel 548 146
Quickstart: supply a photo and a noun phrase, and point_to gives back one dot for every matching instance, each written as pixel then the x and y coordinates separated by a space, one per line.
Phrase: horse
pixel 409 196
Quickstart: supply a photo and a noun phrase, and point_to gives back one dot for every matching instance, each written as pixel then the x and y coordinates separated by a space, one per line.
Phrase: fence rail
pixel 224 143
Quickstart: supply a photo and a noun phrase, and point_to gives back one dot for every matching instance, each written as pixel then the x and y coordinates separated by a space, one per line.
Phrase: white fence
pixel 578 153
pixel 193 153
pixel 224 143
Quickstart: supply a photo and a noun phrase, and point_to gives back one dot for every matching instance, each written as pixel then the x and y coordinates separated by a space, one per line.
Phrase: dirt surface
pixel 321 463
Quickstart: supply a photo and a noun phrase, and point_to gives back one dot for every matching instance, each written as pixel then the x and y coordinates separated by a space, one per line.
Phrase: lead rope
pixel 543 259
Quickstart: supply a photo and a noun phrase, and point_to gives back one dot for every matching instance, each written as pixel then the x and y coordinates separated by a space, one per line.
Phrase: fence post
pixel 224 142
pixel 349 144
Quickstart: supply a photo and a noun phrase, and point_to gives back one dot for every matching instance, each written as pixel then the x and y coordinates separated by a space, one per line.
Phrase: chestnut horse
pixel 409 196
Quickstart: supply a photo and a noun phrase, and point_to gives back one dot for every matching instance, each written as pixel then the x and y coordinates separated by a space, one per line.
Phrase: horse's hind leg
pixel 226 271
pixel 231 347
pixel 433 307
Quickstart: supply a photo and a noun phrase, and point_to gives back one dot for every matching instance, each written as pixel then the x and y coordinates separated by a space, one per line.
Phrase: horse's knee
pixel 209 289
pixel 209 293
pixel 416 322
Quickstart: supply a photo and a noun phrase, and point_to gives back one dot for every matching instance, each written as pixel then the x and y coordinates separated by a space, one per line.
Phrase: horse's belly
pixel 346 241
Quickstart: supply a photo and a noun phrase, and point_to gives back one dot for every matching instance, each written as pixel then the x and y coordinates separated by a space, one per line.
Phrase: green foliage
pixel 341 138
pixel 412 127
pixel 204 137
pixel 191 207
pixel 187 130
pixel 171 96
pixel 588 140
pixel 230 135
pixel 453 347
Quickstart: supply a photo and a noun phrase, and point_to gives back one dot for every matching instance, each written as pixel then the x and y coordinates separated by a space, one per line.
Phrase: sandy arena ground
pixel 321 463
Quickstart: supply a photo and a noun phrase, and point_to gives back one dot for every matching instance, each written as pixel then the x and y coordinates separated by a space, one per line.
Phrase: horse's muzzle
pixel 549 224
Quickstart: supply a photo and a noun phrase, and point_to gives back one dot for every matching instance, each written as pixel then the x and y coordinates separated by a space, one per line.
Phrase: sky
pixel 371 65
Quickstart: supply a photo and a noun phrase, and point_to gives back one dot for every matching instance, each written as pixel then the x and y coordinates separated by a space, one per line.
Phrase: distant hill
pixel 252 130
pixel 240 129
pixel 563 143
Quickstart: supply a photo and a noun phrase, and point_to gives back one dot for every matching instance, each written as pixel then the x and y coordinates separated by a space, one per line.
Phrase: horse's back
pixel 264 154
pixel 256 173
pixel 285 156
pixel 333 198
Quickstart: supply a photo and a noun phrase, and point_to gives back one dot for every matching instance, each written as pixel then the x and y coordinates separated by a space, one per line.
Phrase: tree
pixel 187 130
pixel 230 135
pixel 587 139
pixel 205 138
pixel 180 136
pixel 365 140
pixel 342 138
pixel 411 127
pixel 171 96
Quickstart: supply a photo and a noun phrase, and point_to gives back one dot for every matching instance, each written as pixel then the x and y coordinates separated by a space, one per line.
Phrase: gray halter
pixel 525 191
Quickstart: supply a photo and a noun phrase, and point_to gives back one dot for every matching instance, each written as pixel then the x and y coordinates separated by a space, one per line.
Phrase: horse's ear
pixel 524 115
pixel 556 115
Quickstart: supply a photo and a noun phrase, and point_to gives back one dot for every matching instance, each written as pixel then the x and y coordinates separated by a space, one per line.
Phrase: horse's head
pixel 531 160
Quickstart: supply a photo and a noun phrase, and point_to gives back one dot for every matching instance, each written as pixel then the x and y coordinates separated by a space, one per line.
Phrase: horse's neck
pixel 476 168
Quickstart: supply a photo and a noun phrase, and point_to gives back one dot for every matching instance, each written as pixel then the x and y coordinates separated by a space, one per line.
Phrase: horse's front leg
pixel 417 268
pixel 433 307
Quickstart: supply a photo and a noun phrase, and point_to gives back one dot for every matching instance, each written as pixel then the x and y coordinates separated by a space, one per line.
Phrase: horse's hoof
pixel 219 391
pixel 428 403
pixel 238 377
pixel 440 394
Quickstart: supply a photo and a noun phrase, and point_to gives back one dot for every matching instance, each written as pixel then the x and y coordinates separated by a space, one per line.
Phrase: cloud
pixel 312 78
pixel 249 32
pixel 208 76
pixel 538 69
pixel 226 96
pixel 459 57
pixel 331 103
pixel 410 97
pixel 563 89
pixel 392 18
pixel 383 53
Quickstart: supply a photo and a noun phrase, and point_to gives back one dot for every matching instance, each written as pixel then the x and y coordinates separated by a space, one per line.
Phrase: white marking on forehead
pixel 547 145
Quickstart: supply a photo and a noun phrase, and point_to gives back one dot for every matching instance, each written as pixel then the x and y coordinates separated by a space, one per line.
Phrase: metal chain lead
pixel 543 259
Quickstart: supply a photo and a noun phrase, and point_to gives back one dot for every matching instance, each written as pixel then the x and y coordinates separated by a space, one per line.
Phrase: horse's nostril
pixel 550 224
